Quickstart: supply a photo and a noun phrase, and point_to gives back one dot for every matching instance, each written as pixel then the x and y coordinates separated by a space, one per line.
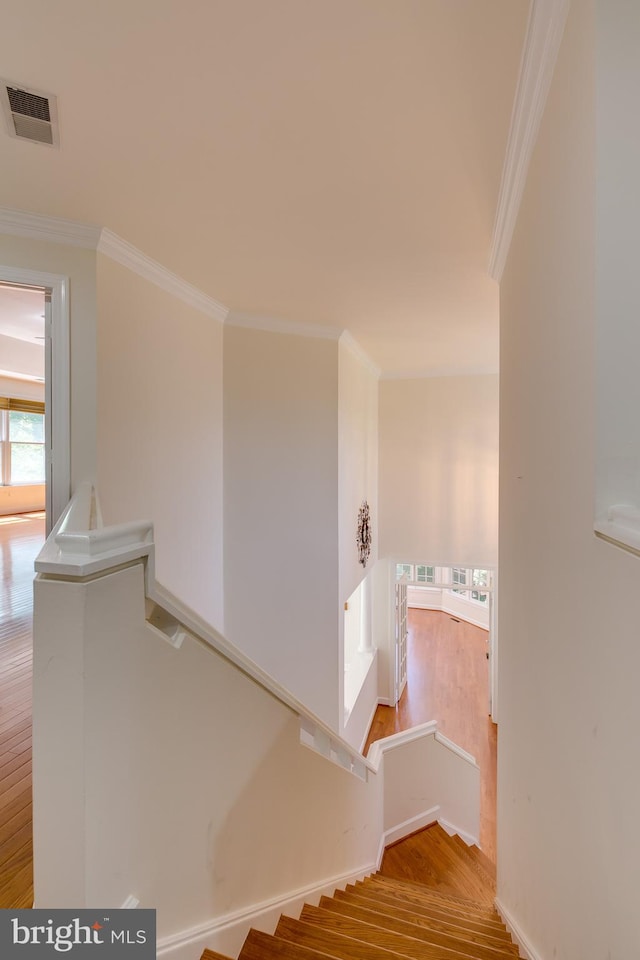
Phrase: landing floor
pixel 448 681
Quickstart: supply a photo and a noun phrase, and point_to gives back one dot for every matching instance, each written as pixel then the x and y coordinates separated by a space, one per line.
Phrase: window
pixel 425 574
pixel 404 570
pixel 21 441
pixel 459 577
pixel 480 578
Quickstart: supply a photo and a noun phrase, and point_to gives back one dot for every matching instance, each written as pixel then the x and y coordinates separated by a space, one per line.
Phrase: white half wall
pixel 160 429
pixel 281 509
pixel 439 469
pixel 568 778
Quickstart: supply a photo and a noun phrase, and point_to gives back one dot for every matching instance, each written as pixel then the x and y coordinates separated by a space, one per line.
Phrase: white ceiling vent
pixel 31 114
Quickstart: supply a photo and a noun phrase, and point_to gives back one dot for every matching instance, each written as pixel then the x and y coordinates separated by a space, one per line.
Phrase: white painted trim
pixel 621 528
pixel 380 747
pixel 80 546
pixel 131 903
pixel 261 915
pixel 264 915
pixel 57 230
pixel 60 378
pixel 540 52
pixel 385 702
pixel 454 748
pixel 347 340
pixel 526 949
pixel 368 726
pixel 124 253
pixel 274 325
pixel 452 830
pixel 19 223
pixel 412 825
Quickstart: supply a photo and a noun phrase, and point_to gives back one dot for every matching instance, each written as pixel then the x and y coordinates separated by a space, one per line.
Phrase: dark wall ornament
pixel 363 539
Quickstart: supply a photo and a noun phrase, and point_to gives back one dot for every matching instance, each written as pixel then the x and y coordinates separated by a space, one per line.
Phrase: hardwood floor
pixel 447 681
pixel 20 540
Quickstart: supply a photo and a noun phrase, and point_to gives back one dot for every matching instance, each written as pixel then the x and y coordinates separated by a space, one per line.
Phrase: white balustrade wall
pixel 169 768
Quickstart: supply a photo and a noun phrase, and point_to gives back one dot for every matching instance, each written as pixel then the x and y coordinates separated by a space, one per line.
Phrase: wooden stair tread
pixel 431 900
pixel 264 946
pixel 419 893
pixel 384 910
pixel 475 945
pixel 351 940
pixel 476 858
pixel 425 906
pixel 334 944
pixel 430 857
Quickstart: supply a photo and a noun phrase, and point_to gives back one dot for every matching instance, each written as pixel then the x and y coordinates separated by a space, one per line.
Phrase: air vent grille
pixel 31 114
pixel 28 104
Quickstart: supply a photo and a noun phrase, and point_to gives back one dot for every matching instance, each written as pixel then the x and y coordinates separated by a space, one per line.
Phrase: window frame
pixel 10 405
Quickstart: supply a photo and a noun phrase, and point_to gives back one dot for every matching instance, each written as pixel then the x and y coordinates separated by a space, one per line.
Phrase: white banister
pixel 80 546
pixel 137 740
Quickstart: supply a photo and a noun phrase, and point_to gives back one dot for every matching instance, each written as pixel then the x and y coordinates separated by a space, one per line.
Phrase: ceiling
pixel 328 162
pixel 22 313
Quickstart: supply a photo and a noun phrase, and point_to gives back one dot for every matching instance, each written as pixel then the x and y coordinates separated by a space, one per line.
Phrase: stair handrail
pixel 81 546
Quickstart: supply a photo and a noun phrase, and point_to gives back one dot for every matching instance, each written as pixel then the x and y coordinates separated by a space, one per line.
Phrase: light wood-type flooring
pixel 20 540
pixel 447 681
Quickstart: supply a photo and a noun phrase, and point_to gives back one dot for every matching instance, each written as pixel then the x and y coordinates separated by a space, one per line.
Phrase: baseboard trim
pixel 408 827
pixel 515 930
pixel 451 829
pixel 227 933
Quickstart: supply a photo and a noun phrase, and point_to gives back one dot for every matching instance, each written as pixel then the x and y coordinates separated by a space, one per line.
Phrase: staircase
pixel 431 900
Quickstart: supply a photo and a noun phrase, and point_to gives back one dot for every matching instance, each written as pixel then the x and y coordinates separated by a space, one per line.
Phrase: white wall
pixel 195 815
pixel 439 469
pixel 568 777
pixel 618 276
pixel 160 429
pixel 281 509
pixel 358 460
pixel 80 267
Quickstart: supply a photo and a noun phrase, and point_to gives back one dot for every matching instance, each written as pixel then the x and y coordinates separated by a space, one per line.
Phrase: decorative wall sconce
pixel 363 538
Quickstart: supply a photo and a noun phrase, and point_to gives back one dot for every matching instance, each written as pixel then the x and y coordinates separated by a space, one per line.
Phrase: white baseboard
pixel 386 702
pixel 526 950
pixel 451 829
pixel 227 933
pixel 412 825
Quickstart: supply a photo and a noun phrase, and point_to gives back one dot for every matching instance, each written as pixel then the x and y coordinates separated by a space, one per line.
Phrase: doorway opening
pixel 34 488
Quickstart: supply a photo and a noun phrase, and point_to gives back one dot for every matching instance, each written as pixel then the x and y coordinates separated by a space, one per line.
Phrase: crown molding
pixel 540 52
pixel 18 223
pixel 35 226
pixel 124 253
pixel 349 341
pixel 273 325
